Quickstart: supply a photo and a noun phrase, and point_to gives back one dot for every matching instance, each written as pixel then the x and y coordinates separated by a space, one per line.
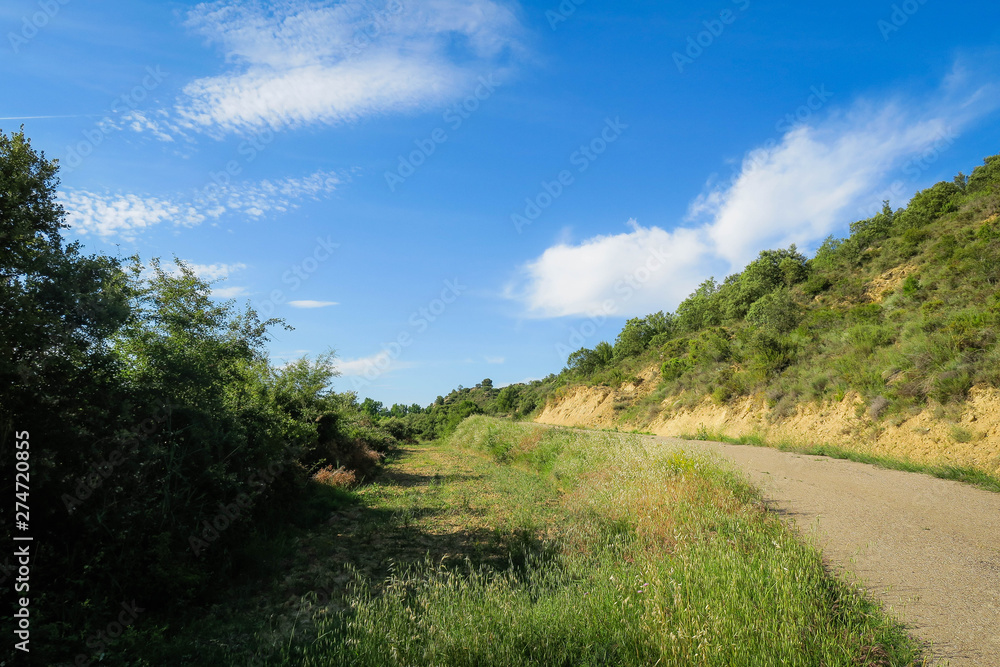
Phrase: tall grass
pixel 651 556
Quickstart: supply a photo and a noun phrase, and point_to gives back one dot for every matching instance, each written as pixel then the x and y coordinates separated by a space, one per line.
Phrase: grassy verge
pixel 514 544
pixel 965 474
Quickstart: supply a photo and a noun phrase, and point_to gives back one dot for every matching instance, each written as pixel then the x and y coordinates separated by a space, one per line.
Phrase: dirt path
pixel 927 547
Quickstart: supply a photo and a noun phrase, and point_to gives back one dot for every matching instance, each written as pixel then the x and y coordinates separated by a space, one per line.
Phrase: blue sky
pixel 446 190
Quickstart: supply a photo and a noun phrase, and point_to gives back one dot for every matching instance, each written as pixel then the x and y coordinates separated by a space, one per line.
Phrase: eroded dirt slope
pixel 969 438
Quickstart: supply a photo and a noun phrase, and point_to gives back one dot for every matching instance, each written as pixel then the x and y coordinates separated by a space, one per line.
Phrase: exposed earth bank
pixel 945 435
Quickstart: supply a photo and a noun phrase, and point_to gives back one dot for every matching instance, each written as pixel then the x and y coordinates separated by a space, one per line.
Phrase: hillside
pixel 884 342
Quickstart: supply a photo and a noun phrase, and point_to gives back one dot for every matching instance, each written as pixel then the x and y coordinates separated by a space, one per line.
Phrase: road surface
pixel 928 548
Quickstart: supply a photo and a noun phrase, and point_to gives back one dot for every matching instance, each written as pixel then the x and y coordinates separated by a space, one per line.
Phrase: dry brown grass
pixel 340 478
pixel 528 443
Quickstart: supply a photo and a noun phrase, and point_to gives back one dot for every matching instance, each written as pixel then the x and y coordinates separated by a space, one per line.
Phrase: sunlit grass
pixel 618 552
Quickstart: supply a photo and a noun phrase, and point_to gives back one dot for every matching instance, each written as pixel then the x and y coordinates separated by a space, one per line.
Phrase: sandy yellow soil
pixel 968 436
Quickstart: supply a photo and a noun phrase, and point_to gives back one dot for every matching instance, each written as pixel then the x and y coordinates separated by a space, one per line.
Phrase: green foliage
pixel 701 309
pixel 865 233
pixel 638 332
pixel 911 285
pixel 985 179
pixel 930 204
pixel 776 311
pixel 586 362
pixel 673 369
pixel 771 270
pixel 162 440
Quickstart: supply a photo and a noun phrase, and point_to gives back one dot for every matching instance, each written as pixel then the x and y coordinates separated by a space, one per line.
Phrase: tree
pixel 508 398
pixel 59 308
pixel 763 275
pixel 586 361
pixel 372 408
pixel 639 331
pixel 776 311
pixel 701 309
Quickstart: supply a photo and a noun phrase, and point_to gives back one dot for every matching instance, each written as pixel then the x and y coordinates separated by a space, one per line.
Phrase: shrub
pixel 929 204
pixel 816 284
pixel 985 178
pixel 911 285
pixel 960 434
pixel 776 311
pixel 877 407
pixel 673 369
pixel 339 478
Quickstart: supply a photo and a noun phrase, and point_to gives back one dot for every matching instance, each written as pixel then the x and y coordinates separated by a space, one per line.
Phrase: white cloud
pixel 311 304
pixel 108 215
pixel 631 272
pixel 210 272
pixel 260 198
pixel 302 62
pixel 372 366
pixel 800 190
pixel 797 190
pixel 229 292
pixel 124 215
pixel 493 360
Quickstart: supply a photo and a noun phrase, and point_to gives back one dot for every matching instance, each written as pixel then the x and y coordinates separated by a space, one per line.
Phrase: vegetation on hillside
pixel 903 311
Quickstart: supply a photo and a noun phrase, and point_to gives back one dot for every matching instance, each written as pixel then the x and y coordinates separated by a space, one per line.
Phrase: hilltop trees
pixel 900 311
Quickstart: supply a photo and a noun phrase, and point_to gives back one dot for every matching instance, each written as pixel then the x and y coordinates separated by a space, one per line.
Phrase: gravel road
pixel 928 548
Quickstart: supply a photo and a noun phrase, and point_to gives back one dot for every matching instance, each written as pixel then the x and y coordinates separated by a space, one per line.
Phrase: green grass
pixel 599 549
pixel 965 474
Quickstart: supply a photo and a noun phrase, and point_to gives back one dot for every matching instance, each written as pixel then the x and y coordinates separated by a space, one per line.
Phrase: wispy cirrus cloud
pixel 372 366
pixel 214 273
pixel 109 215
pixel 211 272
pixel 317 62
pixel 814 179
pixel 308 303
pixel 123 215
